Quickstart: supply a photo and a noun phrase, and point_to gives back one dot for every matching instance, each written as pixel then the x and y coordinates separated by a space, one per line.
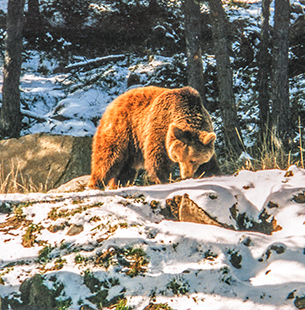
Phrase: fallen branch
pixel 32 115
pixel 93 63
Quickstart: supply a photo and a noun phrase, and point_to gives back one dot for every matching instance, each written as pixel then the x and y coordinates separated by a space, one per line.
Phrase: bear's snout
pixel 187 170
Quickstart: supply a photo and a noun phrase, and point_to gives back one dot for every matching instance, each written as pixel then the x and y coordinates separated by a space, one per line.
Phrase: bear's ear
pixel 178 133
pixel 207 137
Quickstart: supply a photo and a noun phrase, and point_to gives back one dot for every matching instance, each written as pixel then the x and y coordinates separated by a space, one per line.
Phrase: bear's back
pixel 138 99
pixel 129 108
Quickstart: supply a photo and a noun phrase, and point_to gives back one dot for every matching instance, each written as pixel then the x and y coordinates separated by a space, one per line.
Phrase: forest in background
pixel 147 29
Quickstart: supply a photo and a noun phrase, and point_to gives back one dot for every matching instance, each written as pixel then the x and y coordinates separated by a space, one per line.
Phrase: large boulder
pixel 40 162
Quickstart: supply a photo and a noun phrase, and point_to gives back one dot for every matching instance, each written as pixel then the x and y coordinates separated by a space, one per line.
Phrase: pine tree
pixel 10 119
pixel 264 64
pixel 225 78
pixel 193 47
pixel 281 112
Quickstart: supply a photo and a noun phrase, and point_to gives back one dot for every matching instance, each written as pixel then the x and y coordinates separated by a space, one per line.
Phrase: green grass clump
pixel 178 286
pixel 29 238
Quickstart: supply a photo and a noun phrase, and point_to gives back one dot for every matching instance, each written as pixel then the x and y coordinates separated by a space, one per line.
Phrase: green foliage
pixel 161 306
pixel 121 305
pixel 79 259
pixel 225 275
pixel 18 212
pixel 209 255
pixel 178 286
pixel 44 254
pixel 58 212
pixel 93 283
pixel 235 259
pixel 3 273
pixel 29 238
pixel 100 290
pixel 59 263
pixel 134 260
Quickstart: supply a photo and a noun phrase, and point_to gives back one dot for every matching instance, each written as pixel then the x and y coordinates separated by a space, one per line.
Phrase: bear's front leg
pixel 158 167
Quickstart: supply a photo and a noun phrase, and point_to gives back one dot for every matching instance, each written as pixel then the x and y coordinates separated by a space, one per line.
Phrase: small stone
pixel 299 198
pixel 299 302
pixel 75 229
pixel 85 307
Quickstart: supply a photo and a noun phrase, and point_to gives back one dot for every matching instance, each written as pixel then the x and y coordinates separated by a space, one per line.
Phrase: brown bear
pixel 152 128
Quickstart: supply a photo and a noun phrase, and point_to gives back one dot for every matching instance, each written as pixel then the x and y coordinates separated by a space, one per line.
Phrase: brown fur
pixel 152 128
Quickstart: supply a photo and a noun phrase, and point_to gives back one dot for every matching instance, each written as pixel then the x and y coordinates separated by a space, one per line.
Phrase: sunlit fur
pixel 151 127
pixel 189 148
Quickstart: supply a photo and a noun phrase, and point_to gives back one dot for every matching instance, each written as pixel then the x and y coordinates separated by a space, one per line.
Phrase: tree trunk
pixel 193 48
pixel 225 78
pixel 281 112
pixel 10 119
pixel 264 64
pixel 33 15
pixel 33 8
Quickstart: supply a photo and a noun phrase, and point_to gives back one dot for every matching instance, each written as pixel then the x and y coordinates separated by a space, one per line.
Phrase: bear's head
pixel 190 148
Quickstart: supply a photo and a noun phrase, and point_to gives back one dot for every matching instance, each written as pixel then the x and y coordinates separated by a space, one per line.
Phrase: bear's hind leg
pixel 109 156
pixel 106 177
pixel 127 175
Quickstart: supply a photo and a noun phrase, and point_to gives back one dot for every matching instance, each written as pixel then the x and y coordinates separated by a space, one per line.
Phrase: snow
pixel 3 5
pixel 271 266
pixel 197 258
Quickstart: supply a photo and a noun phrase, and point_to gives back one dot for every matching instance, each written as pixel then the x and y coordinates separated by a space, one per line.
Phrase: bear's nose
pixel 186 171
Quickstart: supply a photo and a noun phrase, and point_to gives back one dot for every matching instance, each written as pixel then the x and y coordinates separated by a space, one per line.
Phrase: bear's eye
pixel 193 162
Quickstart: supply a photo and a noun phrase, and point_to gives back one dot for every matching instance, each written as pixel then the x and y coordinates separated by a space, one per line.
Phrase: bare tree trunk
pixel 33 8
pixel 281 113
pixel 225 78
pixel 33 15
pixel 10 119
pixel 264 64
pixel 193 47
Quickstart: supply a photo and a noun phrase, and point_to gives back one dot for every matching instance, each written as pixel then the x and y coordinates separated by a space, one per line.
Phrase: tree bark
pixel 33 14
pixel 195 75
pixel 264 65
pixel 225 78
pixel 33 8
pixel 10 119
pixel 281 112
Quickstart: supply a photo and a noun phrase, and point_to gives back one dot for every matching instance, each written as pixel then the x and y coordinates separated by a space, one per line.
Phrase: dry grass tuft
pixel 270 154
pixel 16 182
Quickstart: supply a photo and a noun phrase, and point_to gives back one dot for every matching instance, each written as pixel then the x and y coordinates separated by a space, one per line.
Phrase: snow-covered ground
pixel 73 103
pixel 186 265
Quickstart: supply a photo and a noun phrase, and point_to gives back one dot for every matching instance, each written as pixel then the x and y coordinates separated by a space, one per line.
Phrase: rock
pixel 299 198
pixel 85 307
pixel 31 292
pixel 189 211
pixel 76 185
pixel 182 208
pixel 75 229
pixel 41 162
pixel 299 302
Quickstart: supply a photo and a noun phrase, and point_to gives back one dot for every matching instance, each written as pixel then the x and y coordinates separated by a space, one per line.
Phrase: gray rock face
pixel 40 162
